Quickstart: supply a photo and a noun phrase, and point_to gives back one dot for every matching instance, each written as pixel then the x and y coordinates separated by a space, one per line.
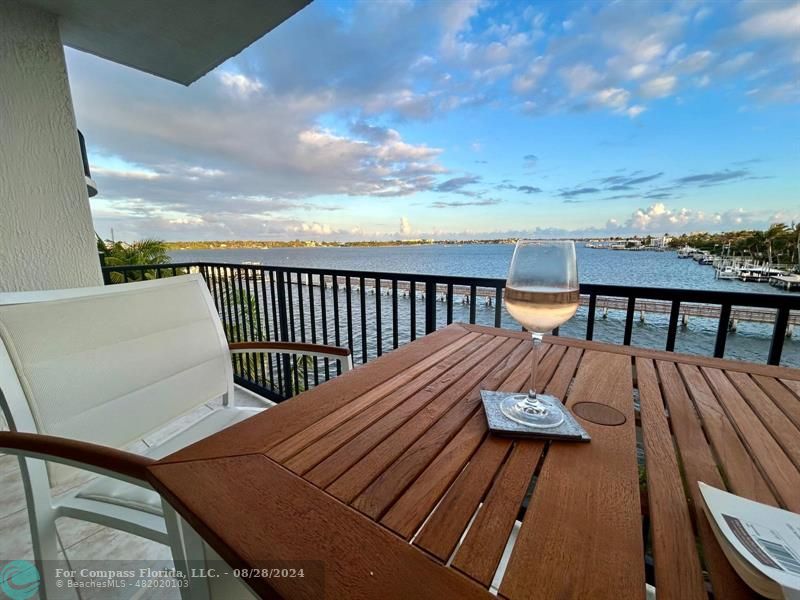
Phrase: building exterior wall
pixel 46 233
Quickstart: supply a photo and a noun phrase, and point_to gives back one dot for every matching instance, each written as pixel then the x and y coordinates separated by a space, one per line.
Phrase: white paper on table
pixel 766 537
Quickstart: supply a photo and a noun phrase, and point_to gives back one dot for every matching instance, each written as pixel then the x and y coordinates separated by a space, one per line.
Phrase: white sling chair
pixel 109 366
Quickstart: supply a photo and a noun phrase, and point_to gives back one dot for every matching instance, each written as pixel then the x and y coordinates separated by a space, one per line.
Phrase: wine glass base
pixel 544 416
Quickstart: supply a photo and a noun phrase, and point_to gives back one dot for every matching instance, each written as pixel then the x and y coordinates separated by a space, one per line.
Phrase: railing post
pixel 722 330
pixel 626 341
pixel 283 322
pixel 672 328
pixel 590 316
pixel 778 333
pixel 430 306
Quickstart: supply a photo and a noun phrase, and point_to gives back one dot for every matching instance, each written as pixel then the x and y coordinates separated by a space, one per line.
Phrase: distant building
pixel 660 242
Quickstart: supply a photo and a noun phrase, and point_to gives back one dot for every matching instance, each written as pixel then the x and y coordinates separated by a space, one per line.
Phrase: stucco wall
pixel 46 232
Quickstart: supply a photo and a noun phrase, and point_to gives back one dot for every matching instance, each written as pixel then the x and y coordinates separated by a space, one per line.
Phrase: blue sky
pixel 384 120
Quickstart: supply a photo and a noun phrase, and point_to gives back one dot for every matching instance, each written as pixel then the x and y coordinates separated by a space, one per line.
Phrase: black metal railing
pixel 372 312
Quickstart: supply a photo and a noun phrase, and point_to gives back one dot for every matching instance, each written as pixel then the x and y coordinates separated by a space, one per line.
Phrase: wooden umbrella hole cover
pixel 594 412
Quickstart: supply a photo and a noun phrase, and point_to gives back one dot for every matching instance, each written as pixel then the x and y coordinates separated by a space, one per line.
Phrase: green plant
pixel 142 252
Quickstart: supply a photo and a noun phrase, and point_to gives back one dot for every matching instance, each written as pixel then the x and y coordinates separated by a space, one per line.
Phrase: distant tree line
pixel 778 244
pixel 266 244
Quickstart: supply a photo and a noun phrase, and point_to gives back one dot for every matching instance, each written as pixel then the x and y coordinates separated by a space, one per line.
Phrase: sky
pixel 460 119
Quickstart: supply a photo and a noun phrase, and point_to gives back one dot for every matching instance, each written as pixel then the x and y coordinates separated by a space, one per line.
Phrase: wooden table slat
pixel 781 394
pixel 687 359
pixel 793 385
pixel 445 527
pixel 779 425
pixel 408 513
pixel 765 450
pixel 382 492
pixel 582 528
pixel 739 470
pixel 363 442
pixel 677 565
pixel 321 439
pixel 336 458
pixel 482 548
pixel 562 378
pixel 441 533
pixel 370 464
pixel 698 464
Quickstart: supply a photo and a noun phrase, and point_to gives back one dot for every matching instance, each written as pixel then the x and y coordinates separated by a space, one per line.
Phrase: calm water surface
pixel 653 269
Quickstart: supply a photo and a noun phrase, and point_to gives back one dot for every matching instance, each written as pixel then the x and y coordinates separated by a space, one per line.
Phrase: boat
pixel 686 252
pixel 726 272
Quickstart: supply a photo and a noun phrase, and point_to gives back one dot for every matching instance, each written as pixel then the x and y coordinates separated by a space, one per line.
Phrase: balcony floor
pixel 83 541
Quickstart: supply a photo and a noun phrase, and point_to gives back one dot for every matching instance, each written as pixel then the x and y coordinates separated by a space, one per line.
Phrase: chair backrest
pixel 109 365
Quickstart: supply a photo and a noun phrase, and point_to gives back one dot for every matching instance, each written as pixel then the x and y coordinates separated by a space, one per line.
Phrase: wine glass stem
pixel 537 341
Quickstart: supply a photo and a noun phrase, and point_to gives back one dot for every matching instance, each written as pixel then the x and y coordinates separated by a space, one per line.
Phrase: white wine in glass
pixel 542 293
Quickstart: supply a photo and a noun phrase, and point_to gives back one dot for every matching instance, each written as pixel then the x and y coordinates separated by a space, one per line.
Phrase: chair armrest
pixel 321 350
pixel 84 455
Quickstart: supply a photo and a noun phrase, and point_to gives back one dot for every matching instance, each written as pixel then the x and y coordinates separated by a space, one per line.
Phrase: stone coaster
pixel 569 431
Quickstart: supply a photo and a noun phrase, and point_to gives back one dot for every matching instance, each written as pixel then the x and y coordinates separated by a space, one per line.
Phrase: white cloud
pixel 702 13
pixel 738 62
pixel 405 103
pixel 580 78
pixel 635 110
pixel 495 73
pixel 405 226
pixel 639 70
pixel 696 61
pixel 782 93
pixel 614 98
pixel 201 172
pixel 239 84
pixel 123 174
pixel 315 228
pixel 675 53
pixel 660 218
pixel 780 22
pixel 527 80
pixel 659 86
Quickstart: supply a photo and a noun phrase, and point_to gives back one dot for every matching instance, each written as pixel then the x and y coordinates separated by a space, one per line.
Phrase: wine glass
pixel 541 293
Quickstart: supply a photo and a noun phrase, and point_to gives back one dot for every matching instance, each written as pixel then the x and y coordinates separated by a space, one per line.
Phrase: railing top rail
pixel 181 265
pixel 755 299
pixel 721 297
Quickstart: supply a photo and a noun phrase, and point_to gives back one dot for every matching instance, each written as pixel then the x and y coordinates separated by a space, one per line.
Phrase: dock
pixel 787 282
pixel 462 294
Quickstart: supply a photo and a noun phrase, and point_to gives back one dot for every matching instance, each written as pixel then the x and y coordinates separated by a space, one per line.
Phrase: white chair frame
pixel 43 507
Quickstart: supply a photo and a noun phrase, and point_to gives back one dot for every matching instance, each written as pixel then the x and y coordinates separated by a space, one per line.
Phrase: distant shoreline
pixel 255 245
pixel 266 245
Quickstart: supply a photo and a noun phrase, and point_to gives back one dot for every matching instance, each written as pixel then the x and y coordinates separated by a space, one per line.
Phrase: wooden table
pixel 386 483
